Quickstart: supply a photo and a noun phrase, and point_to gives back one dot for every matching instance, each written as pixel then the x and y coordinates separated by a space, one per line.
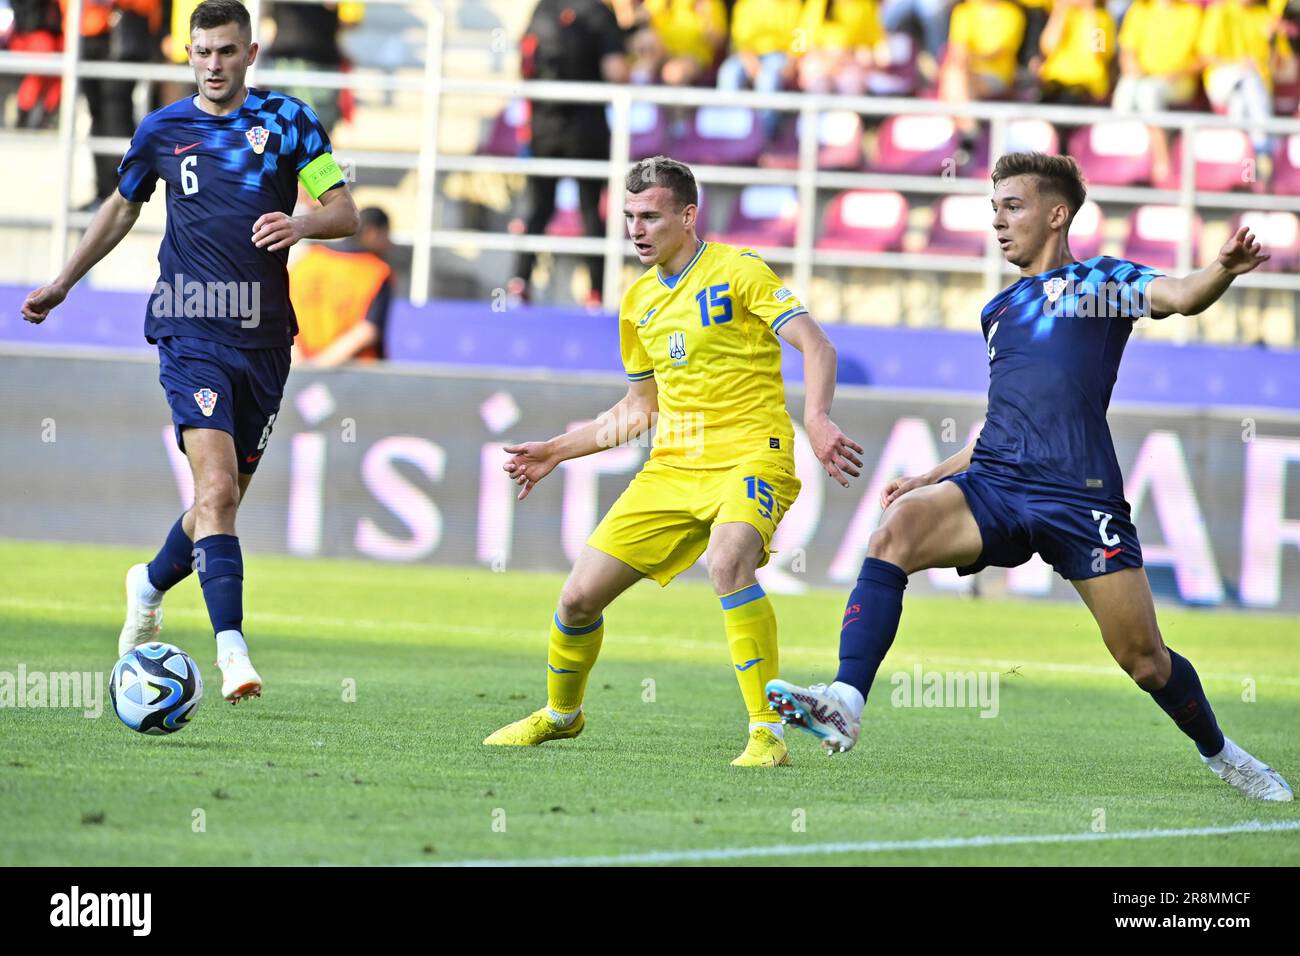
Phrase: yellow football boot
pixel 765 749
pixel 536 728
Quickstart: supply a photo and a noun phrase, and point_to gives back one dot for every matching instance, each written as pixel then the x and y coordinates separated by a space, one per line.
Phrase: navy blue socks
pixel 174 563
pixel 1183 699
pixel 870 622
pixel 221 573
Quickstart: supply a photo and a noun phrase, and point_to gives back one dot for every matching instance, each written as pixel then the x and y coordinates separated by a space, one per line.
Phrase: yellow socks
pixel 572 652
pixel 751 636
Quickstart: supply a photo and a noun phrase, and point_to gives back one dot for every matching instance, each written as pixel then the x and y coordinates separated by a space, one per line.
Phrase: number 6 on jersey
pixel 190 175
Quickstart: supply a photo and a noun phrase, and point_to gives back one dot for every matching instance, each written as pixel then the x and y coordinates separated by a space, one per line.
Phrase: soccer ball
pixel 156 688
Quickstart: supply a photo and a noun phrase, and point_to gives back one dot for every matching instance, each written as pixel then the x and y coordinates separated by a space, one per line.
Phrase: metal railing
pixel 807 178
pixel 71 68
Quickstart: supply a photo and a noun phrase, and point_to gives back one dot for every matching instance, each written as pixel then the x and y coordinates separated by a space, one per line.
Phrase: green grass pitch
pixel 441 657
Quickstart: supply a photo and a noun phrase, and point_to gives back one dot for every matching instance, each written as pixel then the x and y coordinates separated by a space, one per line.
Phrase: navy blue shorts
pixel 212 385
pixel 1079 537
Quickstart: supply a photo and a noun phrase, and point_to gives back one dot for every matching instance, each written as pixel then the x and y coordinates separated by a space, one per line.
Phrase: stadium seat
pixel 922 145
pixel 902 77
pixel 648 128
pixel 1023 136
pixel 721 136
pixel 839 142
pixel 1085 231
pixel 961 226
pixel 1032 136
pixel 1286 171
pixel 1221 157
pixel 865 220
pixel 763 216
pixel 1286 96
pixel 567 218
pixel 1154 233
pixel 504 138
pixel 1113 154
pixel 1278 234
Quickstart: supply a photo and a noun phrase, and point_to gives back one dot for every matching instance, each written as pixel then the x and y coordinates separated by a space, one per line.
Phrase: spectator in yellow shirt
pixel 845 42
pixel 1078 44
pixel 1239 43
pixel 1159 66
pixel 983 40
pixel 763 34
pixel 680 41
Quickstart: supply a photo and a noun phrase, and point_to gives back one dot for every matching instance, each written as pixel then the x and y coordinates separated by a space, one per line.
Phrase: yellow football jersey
pixel 708 337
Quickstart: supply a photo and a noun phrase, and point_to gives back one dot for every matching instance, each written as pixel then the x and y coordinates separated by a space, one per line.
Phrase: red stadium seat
pixel 961 226
pixel 721 136
pixel 504 138
pixel 567 218
pixel 865 220
pixel 764 216
pixel 902 77
pixel 919 145
pixel 1085 231
pixel 1278 234
pixel 1222 157
pixel 1286 96
pixel 1154 233
pixel 1113 154
pixel 648 128
pixel 1023 136
pixel 839 142
pixel 1286 172
pixel 1032 136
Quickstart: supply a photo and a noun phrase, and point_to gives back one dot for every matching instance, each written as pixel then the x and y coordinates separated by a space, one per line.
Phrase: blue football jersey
pixel 1054 343
pixel 222 174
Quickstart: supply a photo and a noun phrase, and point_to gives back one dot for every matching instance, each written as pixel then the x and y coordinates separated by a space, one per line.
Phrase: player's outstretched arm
pixel 335 218
pixel 950 466
pixel 1196 292
pixel 837 452
pixel 113 221
pixel 634 415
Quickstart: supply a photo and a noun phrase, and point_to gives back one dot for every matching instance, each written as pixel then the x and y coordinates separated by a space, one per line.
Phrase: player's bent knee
pixel 728 572
pixel 217 499
pixel 1146 671
pixel 887 544
pixel 1145 675
pixel 578 607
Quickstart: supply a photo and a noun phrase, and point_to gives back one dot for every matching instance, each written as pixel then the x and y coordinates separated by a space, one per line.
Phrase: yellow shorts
pixel 660 525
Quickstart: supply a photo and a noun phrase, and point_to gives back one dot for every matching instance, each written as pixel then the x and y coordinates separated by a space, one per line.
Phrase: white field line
pixel 872 846
pixel 433 627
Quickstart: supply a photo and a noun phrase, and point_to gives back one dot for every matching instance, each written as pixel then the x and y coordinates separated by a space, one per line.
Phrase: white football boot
pixel 1252 777
pixel 238 679
pixel 818 710
pixel 143 621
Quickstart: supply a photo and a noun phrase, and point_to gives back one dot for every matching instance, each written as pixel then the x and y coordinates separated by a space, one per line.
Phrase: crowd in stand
pixel 1136 55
